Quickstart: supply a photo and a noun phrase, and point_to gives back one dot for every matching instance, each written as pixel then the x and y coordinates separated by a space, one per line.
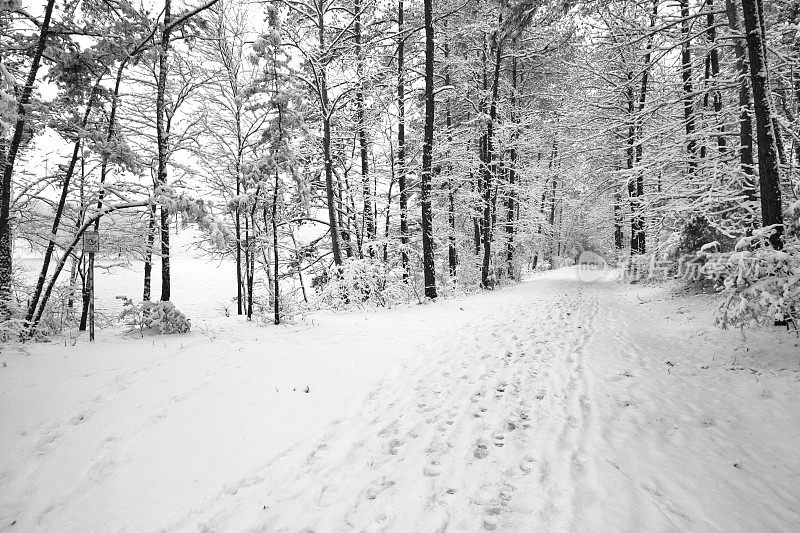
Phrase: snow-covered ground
pixel 201 287
pixel 549 405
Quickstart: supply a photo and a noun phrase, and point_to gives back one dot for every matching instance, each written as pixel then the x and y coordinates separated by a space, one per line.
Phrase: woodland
pixel 369 152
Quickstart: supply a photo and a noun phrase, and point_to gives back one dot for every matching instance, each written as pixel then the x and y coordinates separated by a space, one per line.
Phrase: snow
pixel 201 288
pixel 549 405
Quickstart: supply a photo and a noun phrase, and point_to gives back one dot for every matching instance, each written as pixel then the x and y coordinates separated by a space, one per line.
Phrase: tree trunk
pixel 617 199
pixel 476 217
pixel 713 59
pixel 325 111
pixel 638 235
pixel 552 168
pixel 401 140
pixel 452 250
pixel 162 139
pixel 250 256
pixel 745 121
pixel 265 256
pixel 275 249
pixel 148 255
pixel 688 97
pixel 298 258
pixel 238 232
pixel 512 173
pixel 489 168
pixel 776 127
pixel 48 254
pixel 768 160
pixel 387 220
pixel 428 265
pixel 369 218
pixel 6 239
pixel 631 165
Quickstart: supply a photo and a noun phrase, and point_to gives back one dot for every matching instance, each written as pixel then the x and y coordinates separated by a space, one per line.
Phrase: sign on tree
pixel 91 242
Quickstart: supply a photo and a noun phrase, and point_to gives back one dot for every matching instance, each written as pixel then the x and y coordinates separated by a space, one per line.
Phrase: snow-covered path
pixel 486 429
pixel 552 405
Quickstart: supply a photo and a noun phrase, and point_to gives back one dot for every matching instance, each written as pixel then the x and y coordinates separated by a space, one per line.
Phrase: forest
pixel 400 265
pixel 373 151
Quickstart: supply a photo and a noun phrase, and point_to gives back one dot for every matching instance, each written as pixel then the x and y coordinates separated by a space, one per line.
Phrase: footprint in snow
pixel 526 466
pixel 378 487
pixel 432 469
pixel 393 446
pixel 313 456
pixel 481 450
pixel 491 520
pixel 388 430
pixel 101 470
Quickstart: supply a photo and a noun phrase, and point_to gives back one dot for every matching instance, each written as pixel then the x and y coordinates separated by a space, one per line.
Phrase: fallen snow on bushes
pixel 549 405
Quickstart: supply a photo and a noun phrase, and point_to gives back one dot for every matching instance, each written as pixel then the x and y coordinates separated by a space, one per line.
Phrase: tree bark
pixel 638 234
pixel 452 250
pixel 618 237
pixel 162 139
pixel 275 258
pixel 326 139
pixel 745 120
pixel 6 239
pixel 512 173
pixel 552 168
pixel 429 268
pixel 298 258
pixel 401 140
pixel 488 168
pixel 768 159
pixel 148 255
pixel 238 233
pixel 688 97
pixel 713 59
pixel 369 218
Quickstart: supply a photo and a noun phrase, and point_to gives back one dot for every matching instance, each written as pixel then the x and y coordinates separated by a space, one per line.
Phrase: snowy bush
pixel 153 317
pixel 562 262
pixel 63 311
pixel 363 282
pixel 696 233
pixel 760 284
pixel 12 322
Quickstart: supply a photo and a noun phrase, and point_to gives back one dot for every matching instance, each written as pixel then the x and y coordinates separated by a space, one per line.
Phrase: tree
pixel 768 158
pixel 10 157
pixel 428 262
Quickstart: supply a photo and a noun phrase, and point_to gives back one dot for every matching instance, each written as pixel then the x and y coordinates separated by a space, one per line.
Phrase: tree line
pixel 398 145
